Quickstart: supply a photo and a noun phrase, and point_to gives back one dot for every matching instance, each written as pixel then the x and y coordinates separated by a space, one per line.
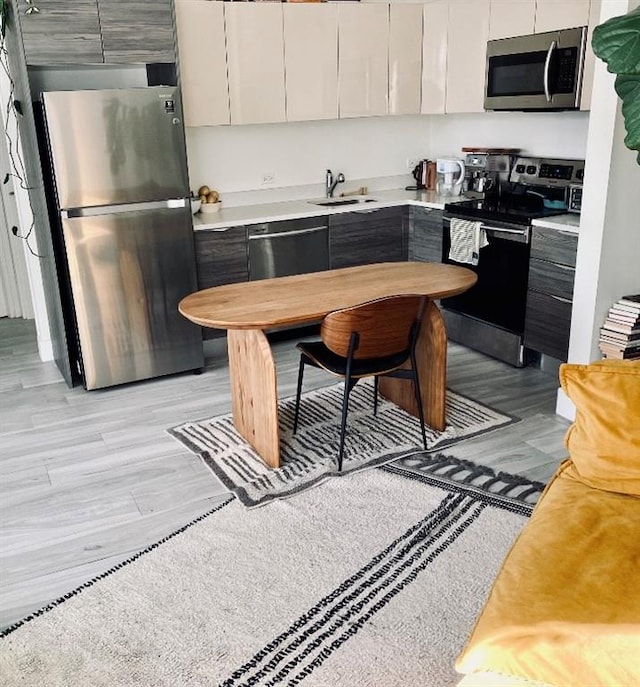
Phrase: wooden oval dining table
pixel 249 309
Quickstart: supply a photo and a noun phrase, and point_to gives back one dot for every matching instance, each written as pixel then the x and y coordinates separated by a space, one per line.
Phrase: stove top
pixel 511 208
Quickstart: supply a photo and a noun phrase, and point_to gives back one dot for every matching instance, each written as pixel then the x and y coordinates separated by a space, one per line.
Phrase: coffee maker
pixel 485 170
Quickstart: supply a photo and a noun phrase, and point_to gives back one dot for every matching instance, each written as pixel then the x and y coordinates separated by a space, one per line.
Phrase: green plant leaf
pixel 628 88
pixel 617 42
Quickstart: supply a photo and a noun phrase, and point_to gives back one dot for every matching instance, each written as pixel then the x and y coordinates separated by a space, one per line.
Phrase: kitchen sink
pixel 342 201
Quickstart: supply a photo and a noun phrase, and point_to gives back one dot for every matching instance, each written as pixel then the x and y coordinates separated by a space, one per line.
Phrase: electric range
pixel 490 316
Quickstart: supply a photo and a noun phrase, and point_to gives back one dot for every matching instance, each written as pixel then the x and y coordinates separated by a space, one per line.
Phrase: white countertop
pixel 569 222
pixel 295 209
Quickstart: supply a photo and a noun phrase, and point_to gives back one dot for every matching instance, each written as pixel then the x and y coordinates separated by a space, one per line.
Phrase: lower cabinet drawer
pixel 548 324
pixel 551 278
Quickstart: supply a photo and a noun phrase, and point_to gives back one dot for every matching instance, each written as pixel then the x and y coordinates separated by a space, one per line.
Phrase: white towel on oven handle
pixel 467 238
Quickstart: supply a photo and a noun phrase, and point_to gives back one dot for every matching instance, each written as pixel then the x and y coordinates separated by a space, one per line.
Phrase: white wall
pixel 235 159
pixel 608 260
pixel 546 134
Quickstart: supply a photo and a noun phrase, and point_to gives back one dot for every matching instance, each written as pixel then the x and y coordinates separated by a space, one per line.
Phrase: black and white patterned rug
pixel 309 456
pixel 374 579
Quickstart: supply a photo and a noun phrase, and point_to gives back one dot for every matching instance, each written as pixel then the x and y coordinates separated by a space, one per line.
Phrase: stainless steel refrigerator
pixel 121 193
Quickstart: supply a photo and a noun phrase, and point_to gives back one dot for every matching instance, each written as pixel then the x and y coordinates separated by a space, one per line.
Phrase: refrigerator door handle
pixel 126 207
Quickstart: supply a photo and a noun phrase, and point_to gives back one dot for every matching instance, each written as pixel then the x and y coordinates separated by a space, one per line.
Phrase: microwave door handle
pixel 547 64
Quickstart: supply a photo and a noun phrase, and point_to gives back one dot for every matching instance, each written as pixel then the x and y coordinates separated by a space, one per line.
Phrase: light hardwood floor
pixel 89 478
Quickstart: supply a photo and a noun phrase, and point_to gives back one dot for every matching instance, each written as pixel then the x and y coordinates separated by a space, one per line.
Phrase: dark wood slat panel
pixel 547 325
pixel 63 32
pixel 363 238
pixel 221 258
pixel 551 278
pixel 554 245
pixel 140 31
pixel 426 235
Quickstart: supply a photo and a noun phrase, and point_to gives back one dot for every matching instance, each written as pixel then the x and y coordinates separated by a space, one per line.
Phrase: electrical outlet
pixel 268 178
pixel 411 162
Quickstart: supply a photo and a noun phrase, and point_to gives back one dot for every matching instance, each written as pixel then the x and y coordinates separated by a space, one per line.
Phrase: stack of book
pixel 620 333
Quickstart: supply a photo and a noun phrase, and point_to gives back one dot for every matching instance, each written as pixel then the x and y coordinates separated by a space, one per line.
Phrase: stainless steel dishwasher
pixel 277 249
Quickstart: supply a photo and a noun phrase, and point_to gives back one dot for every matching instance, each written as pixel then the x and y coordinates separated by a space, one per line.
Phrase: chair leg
pixel 375 395
pixel 416 387
pixel 298 394
pixel 343 427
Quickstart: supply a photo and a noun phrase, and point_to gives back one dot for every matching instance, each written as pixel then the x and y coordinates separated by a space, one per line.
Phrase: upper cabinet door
pixel 405 58
pixel 137 31
pixel 552 15
pixel 466 55
pixel 363 56
pixel 435 23
pixel 62 32
pixel 255 60
pixel 203 62
pixel 311 60
pixel 511 18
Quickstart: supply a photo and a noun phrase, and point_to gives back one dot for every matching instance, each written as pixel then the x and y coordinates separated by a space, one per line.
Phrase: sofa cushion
pixel 604 440
pixel 565 606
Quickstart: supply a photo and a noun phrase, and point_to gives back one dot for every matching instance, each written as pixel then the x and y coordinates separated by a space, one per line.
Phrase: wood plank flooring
pixel 89 478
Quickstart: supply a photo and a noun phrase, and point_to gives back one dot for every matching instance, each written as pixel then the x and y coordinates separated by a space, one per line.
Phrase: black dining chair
pixel 373 339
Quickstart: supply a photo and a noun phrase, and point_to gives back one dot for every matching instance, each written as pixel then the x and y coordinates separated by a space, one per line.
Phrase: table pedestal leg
pixel 431 354
pixel 254 392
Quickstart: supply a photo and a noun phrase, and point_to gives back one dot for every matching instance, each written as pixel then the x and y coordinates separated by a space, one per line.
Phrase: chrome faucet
pixel 330 184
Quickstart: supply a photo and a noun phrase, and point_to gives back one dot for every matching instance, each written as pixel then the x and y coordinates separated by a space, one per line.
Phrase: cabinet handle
pixel 559 298
pixel 563 267
pixel 218 229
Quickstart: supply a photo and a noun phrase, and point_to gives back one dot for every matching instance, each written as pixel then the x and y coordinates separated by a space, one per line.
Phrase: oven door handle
pixel 516 232
pixel 547 64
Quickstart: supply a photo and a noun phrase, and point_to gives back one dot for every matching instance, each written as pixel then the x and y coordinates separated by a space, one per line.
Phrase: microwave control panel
pixel 547 171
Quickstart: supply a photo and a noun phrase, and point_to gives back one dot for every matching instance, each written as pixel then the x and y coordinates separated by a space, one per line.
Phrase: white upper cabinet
pixel 511 18
pixel 466 55
pixel 552 14
pixel 255 60
pixel 435 23
pixel 405 58
pixel 363 59
pixel 203 62
pixel 311 60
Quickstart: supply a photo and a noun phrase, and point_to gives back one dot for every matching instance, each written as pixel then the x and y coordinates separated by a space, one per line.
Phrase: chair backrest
pixel 384 326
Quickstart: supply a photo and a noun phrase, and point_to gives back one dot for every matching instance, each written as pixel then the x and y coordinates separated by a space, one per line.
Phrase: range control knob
pixel 520 169
pixel 531 169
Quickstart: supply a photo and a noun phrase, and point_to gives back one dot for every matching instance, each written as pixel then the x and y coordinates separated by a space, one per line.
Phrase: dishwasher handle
pixel 295 232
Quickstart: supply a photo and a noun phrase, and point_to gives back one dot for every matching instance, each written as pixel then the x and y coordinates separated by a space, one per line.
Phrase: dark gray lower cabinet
pixel 221 258
pixel 367 236
pixel 550 292
pixel 425 234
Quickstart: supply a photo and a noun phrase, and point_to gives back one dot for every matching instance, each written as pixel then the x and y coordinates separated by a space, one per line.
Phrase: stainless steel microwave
pixel 542 71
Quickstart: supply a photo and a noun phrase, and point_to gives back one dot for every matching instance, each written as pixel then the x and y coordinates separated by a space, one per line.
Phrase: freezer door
pixel 128 272
pixel 116 146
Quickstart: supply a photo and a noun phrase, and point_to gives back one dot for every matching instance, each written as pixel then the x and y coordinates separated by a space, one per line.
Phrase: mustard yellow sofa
pixel 565 607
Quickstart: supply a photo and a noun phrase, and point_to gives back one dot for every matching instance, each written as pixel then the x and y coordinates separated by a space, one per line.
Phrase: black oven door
pixel 499 296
